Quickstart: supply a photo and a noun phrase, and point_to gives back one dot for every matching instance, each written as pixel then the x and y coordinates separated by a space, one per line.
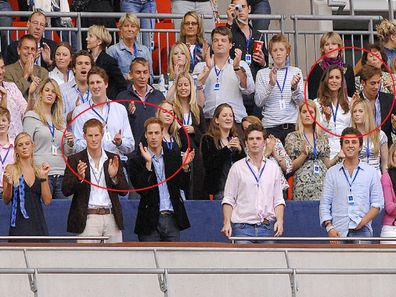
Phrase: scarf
pixel 326 62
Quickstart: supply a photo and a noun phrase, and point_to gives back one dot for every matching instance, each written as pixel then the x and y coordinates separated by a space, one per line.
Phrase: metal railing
pixel 305 43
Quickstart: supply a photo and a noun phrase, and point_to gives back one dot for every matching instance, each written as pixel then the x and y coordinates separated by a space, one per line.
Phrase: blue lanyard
pixel 218 72
pixel 284 81
pixel 334 113
pixel 257 178
pixel 248 40
pixel 108 112
pixel 6 155
pixel 368 148
pixel 188 119
pixel 52 130
pixel 314 146
pixel 193 54
pixel 347 179
pixel 100 174
pixel 169 144
pixel 82 96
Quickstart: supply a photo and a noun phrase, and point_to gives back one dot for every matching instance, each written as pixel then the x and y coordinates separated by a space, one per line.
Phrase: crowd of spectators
pixel 228 122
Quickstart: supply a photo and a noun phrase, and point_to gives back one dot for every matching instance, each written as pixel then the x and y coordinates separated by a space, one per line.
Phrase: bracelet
pixel 42 180
pixel 200 87
pixel 329 227
pixel 237 69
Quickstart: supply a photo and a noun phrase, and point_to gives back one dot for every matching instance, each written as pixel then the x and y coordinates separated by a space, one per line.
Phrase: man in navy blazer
pixel 161 214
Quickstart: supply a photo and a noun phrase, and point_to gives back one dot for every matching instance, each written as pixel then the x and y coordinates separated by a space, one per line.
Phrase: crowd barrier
pixel 305 43
pixel 206 217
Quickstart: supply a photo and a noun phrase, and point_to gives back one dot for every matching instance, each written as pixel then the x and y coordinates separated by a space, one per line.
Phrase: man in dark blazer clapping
pixel 161 214
pixel 95 208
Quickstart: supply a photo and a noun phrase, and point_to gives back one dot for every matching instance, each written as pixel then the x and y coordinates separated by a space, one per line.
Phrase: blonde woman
pixel 192 34
pixel 129 47
pixel 375 145
pixel 98 39
pixel 329 43
pixel 308 147
pixel 387 33
pixel 179 63
pixel 171 137
pixel 45 124
pixel 26 185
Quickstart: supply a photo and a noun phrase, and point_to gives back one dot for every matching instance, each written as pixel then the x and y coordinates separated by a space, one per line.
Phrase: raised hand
pixel 144 152
pixel 117 140
pixel 46 53
pixel 238 57
pixel 3 97
pixel 114 164
pixel 208 58
pixel 81 168
pixel 34 85
pixel 270 144
pixel 259 57
pixel 28 67
pixel 44 169
pixel 69 138
pixel 234 143
pixel 131 107
pixel 295 80
pixel 273 76
pixel 8 175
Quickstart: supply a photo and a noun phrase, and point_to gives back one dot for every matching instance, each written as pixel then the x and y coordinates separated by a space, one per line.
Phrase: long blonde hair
pixel 335 37
pixel 17 166
pixel 177 104
pixel 369 123
pixel 299 124
pixel 171 67
pixel 56 108
pixel 173 128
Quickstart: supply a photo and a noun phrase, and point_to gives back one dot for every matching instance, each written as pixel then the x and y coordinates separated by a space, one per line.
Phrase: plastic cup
pixel 258 44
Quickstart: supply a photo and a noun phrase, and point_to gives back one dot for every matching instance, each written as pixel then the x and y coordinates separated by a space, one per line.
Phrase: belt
pixel 166 213
pixel 99 211
pixel 265 222
pixel 286 126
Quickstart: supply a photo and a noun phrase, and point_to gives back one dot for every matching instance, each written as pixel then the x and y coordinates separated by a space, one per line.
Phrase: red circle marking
pixel 318 61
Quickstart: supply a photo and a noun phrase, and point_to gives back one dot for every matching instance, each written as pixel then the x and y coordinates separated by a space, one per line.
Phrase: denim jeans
pixel 263 7
pixel 364 232
pixel 142 6
pixel 55 183
pixel 5 22
pixel 167 230
pixel 252 230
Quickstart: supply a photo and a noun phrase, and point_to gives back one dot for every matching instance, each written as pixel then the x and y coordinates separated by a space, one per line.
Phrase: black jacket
pixel 79 207
pixel 148 211
pixel 11 53
pixel 117 82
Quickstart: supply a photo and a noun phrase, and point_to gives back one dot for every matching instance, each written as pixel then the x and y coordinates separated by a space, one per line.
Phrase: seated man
pixel 253 202
pixel 45 47
pixel 161 215
pixel 95 211
pixel 352 194
pixel 24 72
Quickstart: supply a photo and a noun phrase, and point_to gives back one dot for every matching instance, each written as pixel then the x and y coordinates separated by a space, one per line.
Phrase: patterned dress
pixel 306 184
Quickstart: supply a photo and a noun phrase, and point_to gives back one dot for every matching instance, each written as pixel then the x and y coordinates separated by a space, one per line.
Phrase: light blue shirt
pixel 70 94
pixel 124 56
pixel 159 168
pixel 366 190
pixel 115 116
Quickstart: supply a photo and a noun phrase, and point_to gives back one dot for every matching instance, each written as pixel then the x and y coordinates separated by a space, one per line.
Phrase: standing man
pixel 118 137
pixel 95 211
pixel 45 47
pixel 77 92
pixel 381 103
pixel 253 203
pixel 222 79
pixel 24 72
pixel 140 90
pixel 161 214
pixel 244 37
pixel 352 193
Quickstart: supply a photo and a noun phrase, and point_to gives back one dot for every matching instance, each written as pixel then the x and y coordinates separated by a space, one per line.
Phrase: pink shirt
pixel 16 104
pixel 390 200
pixel 7 157
pixel 253 201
